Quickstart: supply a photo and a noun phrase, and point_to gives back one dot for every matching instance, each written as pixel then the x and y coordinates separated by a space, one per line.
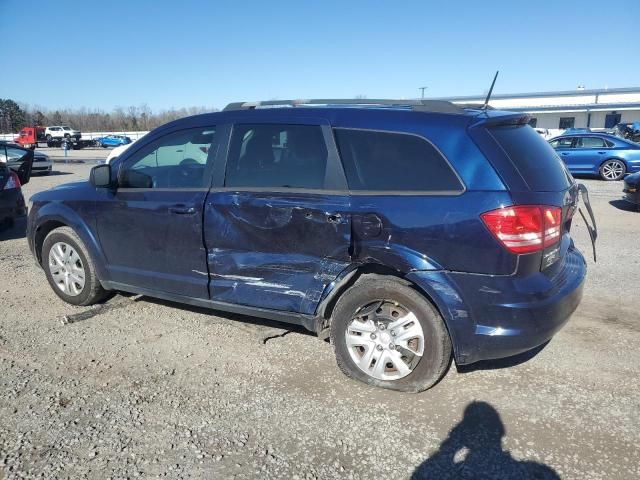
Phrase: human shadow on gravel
pixel 623 205
pixel 15 231
pixel 473 450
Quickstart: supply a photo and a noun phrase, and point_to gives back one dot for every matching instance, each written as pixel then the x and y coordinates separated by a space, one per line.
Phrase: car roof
pixel 345 114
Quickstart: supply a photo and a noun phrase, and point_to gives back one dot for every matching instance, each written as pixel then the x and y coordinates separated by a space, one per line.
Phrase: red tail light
pixel 12 182
pixel 525 228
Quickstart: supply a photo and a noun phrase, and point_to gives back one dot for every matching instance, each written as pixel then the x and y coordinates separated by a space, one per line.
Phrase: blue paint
pixel 284 251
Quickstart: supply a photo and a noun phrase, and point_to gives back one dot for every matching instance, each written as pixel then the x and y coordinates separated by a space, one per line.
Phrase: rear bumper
pixel 491 317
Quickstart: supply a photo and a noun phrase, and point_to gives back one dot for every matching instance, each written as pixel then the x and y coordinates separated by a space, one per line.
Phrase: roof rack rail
pixel 436 106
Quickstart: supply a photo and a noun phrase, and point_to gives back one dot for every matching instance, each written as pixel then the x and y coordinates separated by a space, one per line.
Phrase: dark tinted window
pixel 393 162
pixel 534 158
pixel 277 156
pixel 590 142
pixel 566 122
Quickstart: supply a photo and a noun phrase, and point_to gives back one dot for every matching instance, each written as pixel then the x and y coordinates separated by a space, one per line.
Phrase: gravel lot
pixel 145 388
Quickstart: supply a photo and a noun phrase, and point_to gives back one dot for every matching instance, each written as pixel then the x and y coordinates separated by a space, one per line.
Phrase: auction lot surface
pixel 141 387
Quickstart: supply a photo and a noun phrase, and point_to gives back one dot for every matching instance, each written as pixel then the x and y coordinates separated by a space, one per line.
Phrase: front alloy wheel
pixel 67 270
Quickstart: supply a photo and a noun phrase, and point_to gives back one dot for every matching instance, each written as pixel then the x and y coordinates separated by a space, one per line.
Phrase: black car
pixel 15 171
pixel 631 189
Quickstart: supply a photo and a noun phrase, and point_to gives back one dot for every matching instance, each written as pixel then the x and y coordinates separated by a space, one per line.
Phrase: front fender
pixel 55 213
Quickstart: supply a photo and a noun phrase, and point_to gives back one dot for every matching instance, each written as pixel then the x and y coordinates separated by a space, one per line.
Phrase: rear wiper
pixel 593 231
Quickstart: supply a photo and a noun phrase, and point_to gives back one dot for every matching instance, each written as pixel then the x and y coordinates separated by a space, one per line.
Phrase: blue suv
pixel 406 231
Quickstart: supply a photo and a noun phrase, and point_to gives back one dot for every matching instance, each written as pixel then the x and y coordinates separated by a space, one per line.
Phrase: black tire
pixel 612 165
pixel 437 345
pixel 48 138
pixel 92 291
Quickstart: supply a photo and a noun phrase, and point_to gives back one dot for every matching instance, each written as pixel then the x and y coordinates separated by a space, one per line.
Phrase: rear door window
pixel 395 162
pixel 535 160
pixel 590 142
pixel 277 156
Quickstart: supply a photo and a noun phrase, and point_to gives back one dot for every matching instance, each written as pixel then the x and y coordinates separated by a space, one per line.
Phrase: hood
pixel 633 179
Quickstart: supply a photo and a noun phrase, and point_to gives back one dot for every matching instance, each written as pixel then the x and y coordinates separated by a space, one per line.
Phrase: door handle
pixel 182 210
pixel 602 153
pixel 334 217
pixel 564 153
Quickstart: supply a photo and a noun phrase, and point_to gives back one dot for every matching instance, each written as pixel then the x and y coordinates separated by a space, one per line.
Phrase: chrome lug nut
pixel 373 336
pixel 382 327
pixel 392 346
pixel 379 347
pixel 393 333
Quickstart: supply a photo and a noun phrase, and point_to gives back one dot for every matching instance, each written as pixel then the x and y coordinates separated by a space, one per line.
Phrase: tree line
pixel 14 116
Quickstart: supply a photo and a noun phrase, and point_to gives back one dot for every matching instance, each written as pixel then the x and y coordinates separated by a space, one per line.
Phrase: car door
pixel 589 153
pixel 150 226
pixel 564 147
pixel 277 229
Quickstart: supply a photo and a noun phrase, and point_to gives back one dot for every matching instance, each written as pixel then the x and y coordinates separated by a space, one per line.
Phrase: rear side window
pixel 277 156
pixel 384 161
pixel 533 157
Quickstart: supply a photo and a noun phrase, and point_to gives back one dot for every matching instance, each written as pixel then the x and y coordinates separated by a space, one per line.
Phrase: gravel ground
pixel 145 388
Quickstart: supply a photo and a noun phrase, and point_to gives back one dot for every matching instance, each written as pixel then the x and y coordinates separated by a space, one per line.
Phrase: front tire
pixel 69 269
pixel 612 170
pixel 385 333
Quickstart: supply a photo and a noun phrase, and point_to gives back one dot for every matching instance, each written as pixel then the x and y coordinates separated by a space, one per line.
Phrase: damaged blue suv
pixel 409 232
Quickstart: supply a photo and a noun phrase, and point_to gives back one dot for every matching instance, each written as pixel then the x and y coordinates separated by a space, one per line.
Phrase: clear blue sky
pixel 178 53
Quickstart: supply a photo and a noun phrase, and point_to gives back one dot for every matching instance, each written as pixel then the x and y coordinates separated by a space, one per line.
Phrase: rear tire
pixel 379 309
pixel 63 251
pixel 612 170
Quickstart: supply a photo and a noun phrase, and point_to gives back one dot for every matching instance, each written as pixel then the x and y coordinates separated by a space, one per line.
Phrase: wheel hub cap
pixel 66 268
pixel 385 340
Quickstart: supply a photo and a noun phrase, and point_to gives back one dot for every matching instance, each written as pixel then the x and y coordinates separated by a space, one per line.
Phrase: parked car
pixel 406 233
pixel 604 155
pixel 41 161
pixel 57 133
pixel 113 141
pixel 631 189
pixel 629 131
pixel 15 171
pixel 116 152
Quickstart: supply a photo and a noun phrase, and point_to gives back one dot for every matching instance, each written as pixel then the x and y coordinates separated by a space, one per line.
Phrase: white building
pixel 602 108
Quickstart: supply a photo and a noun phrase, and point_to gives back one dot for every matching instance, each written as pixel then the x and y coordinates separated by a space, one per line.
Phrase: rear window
pixel 385 161
pixel 533 157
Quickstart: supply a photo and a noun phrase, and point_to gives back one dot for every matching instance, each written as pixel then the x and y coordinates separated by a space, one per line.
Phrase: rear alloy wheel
pixel 387 334
pixel 612 170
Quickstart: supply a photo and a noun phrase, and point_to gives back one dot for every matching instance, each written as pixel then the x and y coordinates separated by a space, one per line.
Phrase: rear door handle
pixel 564 153
pixel 602 153
pixel 182 210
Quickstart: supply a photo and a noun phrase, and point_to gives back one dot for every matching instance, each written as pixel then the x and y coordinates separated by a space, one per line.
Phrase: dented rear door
pixel 276 239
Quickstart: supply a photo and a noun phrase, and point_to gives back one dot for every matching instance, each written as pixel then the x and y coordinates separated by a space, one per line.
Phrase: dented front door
pixel 275 250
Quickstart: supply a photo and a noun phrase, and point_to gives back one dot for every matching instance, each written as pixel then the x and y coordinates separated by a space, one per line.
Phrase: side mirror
pixel 100 176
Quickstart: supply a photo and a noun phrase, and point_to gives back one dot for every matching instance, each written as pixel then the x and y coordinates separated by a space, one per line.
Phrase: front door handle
pixel 564 153
pixel 334 217
pixel 182 210
pixel 602 153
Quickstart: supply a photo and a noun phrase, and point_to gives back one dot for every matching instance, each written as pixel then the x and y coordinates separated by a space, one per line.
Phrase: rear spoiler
pixel 499 119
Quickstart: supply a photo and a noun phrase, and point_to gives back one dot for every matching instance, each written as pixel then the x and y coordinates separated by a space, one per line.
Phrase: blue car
pixel 408 232
pixel 607 156
pixel 113 141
